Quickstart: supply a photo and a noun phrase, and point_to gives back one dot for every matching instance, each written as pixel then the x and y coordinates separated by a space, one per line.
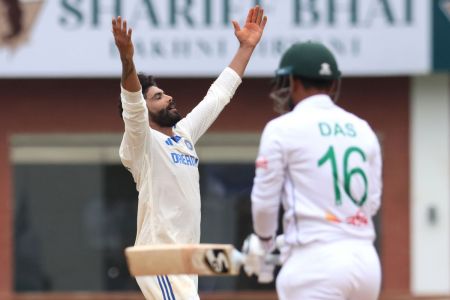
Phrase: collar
pixel 321 101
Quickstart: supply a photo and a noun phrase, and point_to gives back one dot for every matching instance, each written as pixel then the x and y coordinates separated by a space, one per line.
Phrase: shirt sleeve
pixel 206 112
pixel 375 179
pixel 268 183
pixel 137 132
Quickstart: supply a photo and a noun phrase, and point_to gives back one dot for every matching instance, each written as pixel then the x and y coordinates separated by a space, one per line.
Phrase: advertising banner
pixel 195 38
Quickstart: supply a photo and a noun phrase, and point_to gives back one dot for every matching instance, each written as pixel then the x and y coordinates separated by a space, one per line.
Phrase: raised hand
pixel 251 33
pixel 248 36
pixel 122 38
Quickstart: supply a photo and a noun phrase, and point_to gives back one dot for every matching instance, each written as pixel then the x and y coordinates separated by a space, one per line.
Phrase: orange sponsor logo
pixel 359 219
pixel 332 218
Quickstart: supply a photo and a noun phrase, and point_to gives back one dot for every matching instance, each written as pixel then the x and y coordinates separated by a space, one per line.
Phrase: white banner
pixel 184 38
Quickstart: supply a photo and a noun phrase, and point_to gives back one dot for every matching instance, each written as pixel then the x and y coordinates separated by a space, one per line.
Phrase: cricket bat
pixel 201 259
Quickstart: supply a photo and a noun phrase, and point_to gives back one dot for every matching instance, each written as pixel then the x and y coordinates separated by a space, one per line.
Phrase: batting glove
pixel 255 251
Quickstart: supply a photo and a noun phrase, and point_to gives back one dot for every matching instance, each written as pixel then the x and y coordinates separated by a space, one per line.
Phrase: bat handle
pixel 237 259
pixel 272 259
pixel 279 241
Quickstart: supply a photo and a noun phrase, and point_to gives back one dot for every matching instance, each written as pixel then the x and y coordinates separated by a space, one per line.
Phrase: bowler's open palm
pixel 251 33
pixel 122 38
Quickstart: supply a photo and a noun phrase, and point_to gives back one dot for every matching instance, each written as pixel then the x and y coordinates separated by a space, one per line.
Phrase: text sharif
pixel 203 13
pixel 167 13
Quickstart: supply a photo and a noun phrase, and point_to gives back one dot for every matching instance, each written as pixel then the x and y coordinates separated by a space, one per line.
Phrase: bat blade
pixel 201 259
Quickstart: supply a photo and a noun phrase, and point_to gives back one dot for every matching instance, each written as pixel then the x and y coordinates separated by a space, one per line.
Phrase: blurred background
pixel 68 207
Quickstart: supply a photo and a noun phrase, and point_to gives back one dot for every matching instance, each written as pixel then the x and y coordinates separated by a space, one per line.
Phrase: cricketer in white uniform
pixel 162 157
pixel 323 164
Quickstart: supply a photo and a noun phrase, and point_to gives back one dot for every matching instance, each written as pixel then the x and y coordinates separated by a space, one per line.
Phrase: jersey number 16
pixel 348 173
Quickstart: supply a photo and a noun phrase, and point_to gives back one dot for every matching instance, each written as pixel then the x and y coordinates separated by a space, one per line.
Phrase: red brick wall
pixel 88 105
pixel 6 209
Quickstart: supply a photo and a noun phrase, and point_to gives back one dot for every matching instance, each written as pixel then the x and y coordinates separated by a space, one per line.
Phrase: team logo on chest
pixel 188 144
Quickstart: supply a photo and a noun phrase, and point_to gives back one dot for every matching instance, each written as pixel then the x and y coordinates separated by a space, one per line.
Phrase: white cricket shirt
pixel 324 165
pixel 165 168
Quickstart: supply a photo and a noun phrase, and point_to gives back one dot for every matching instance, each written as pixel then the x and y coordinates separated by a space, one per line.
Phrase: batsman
pixel 323 165
pixel 158 149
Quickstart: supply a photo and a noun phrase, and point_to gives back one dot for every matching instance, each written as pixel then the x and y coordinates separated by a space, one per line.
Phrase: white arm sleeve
pixel 268 183
pixel 206 112
pixel 375 180
pixel 136 136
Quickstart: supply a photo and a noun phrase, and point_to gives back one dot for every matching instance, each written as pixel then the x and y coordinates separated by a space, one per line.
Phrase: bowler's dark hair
pixel 146 81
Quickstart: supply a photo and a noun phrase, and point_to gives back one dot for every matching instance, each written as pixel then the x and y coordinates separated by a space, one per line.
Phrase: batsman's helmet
pixel 310 60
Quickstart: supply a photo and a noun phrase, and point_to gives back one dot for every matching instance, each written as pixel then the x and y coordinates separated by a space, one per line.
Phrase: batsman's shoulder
pixel 275 123
pixel 276 127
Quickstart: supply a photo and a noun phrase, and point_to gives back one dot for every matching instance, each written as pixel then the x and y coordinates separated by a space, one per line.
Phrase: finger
pixel 114 25
pixel 236 26
pixel 250 15
pixel 264 21
pixel 130 32
pixel 124 27
pixel 119 22
pixel 260 16
pixel 255 14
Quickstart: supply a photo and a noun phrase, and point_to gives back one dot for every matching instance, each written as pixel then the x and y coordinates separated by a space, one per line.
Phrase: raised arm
pixel 122 38
pixel 222 90
pixel 135 113
pixel 248 37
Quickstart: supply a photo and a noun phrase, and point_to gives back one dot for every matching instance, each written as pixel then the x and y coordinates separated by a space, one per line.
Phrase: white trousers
pixel 343 270
pixel 179 287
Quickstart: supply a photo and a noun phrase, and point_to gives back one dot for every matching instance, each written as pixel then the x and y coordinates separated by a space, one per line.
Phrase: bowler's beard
pixel 165 117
